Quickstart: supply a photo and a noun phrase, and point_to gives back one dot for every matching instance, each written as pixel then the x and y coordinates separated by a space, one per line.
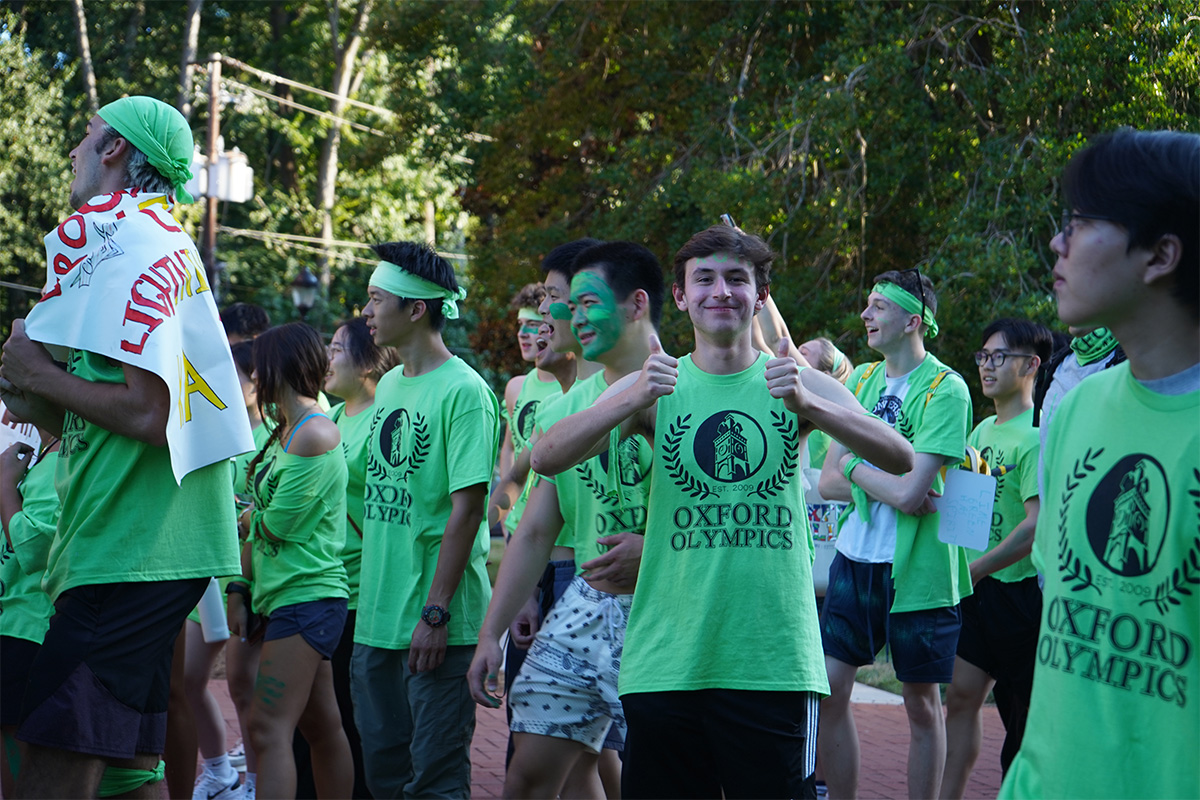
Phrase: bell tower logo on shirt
pixel 402 440
pixel 1127 515
pixel 628 468
pixel 525 419
pixel 729 446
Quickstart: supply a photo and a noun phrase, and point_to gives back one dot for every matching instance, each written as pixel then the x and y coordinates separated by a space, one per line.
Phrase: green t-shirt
pixel 25 608
pixel 1114 711
pixel 1013 445
pixel 547 415
pixel 521 427
pixel 123 518
pixel 818 448
pixel 356 430
pixel 241 487
pixel 301 501
pixel 431 436
pixel 724 597
pixel 590 500
pixel 927 572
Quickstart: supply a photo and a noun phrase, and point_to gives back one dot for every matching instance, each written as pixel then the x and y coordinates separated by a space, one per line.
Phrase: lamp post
pixel 304 292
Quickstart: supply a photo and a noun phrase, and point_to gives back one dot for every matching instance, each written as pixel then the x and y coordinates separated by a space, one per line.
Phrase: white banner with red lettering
pixel 125 281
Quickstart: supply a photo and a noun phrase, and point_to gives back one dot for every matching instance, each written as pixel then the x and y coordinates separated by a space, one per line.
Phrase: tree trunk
pixel 345 56
pixel 85 56
pixel 190 43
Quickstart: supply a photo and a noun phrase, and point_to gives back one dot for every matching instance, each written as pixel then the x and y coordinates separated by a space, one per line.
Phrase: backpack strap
pixel 862 379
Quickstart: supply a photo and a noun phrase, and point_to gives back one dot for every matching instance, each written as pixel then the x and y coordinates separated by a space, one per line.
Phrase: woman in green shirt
pixel 295 533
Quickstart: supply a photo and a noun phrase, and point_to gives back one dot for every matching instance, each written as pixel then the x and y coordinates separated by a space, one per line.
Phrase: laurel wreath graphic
pixel 1166 594
pixel 1075 572
pixel 420 452
pixel 683 479
pixel 905 425
pixel 790 432
pixel 589 479
pixel 377 470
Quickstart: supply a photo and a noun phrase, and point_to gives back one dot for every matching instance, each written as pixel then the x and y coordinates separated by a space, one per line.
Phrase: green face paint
pixel 597 321
pixel 528 328
pixel 560 312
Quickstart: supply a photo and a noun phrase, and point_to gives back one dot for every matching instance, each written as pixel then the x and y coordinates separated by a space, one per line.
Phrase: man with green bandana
pixel 892 581
pixel 134 549
pixel 424 585
pixel 564 700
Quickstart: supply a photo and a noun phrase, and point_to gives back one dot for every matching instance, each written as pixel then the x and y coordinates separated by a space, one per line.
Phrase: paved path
pixel 882 729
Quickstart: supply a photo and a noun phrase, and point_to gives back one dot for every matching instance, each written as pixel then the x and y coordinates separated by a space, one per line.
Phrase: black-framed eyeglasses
pixel 920 289
pixel 997 357
pixel 1066 228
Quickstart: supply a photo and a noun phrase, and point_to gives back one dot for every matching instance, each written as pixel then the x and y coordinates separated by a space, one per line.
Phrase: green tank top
pixel 724 596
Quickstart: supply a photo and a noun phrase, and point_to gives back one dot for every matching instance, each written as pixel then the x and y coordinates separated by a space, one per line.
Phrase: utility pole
pixel 209 253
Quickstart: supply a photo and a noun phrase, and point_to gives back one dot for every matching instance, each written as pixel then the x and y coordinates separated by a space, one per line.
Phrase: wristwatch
pixel 435 616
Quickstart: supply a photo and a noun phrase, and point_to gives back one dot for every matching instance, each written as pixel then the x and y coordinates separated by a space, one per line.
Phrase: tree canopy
pixel 856 137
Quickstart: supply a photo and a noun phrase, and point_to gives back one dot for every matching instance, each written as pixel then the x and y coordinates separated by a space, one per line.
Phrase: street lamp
pixel 304 292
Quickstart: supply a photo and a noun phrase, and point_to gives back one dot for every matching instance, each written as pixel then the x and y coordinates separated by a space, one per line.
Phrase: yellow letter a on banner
pixel 193 382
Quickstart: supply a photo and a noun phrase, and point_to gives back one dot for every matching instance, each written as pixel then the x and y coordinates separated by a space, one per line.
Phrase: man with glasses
pixel 892 581
pixel 1114 711
pixel 998 642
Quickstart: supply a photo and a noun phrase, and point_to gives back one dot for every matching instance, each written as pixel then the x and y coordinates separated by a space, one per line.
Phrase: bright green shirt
pixel 25 608
pixel 927 573
pixel 301 502
pixel 724 597
pixel 589 497
pixel 1013 445
pixel 356 430
pixel 521 427
pixel 431 435
pixel 123 518
pixel 1114 711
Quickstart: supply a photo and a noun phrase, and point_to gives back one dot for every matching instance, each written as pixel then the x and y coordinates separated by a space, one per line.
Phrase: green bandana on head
pixel 402 283
pixel 907 301
pixel 159 131
pixel 1093 346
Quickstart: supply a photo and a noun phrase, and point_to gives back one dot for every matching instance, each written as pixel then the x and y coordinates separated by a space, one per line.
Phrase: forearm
pixel 864 434
pixel 833 484
pixel 524 559
pixel 31 408
pixel 904 493
pixel 1013 548
pixel 583 435
pixel 138 411
pixel 454 554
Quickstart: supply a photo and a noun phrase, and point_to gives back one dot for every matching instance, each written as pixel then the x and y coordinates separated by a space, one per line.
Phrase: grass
pixel 881 675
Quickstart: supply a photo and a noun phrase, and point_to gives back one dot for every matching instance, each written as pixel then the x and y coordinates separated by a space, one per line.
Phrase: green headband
pixel 159 131
pixel 402 283
pixel 529 314
pixel 838 360
pixel 907 301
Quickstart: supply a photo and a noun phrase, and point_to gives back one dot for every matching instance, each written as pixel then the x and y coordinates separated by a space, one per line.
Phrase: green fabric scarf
pixel 1093 346
pixel 159 131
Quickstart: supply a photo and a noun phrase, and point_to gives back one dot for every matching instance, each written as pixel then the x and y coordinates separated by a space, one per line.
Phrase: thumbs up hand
pixel 783 378
pixel 659 374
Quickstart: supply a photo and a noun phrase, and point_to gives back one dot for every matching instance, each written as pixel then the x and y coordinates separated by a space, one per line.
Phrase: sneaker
pixel 237 756
pixel 210 787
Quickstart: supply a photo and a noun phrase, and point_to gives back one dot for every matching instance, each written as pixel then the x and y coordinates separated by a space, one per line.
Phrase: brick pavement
pixel 882 729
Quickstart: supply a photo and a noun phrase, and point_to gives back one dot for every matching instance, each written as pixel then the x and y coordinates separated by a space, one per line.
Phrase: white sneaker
pixel 237 756
pixel 210 787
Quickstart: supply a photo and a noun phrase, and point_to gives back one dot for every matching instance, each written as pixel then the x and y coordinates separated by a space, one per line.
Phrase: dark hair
pixel 907 280
pixel 1149 183
pixel 827 360
pixel 363 351
pixel 562 258
pixel 627 267
pixel 1022 334
pixel 421 260
pixel 529 296
pixel 245 319
pixel 724 239
pixel 289 355
pixel 243 357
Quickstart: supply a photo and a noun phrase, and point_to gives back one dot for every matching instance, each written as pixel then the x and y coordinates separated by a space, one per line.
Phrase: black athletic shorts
pixel 16 660
pixel 856 623
pixel 102 679
pixel 1000 630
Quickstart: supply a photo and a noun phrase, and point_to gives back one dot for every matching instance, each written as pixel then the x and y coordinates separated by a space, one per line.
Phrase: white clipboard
pixel 966 509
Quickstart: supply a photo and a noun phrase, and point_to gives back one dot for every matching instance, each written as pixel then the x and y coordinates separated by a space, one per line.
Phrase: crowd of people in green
pixel 663 622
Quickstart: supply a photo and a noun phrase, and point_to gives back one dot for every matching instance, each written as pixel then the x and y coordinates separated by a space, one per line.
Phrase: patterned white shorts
pixel 567 687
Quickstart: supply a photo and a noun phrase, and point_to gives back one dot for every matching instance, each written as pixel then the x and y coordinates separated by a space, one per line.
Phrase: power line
pixel 297 238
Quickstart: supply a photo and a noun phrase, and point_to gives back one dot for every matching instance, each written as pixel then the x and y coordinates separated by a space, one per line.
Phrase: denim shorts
pixel 320 622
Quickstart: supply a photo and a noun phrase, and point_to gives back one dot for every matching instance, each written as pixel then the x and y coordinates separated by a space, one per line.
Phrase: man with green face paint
pixel 617 291
pixel 147 505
